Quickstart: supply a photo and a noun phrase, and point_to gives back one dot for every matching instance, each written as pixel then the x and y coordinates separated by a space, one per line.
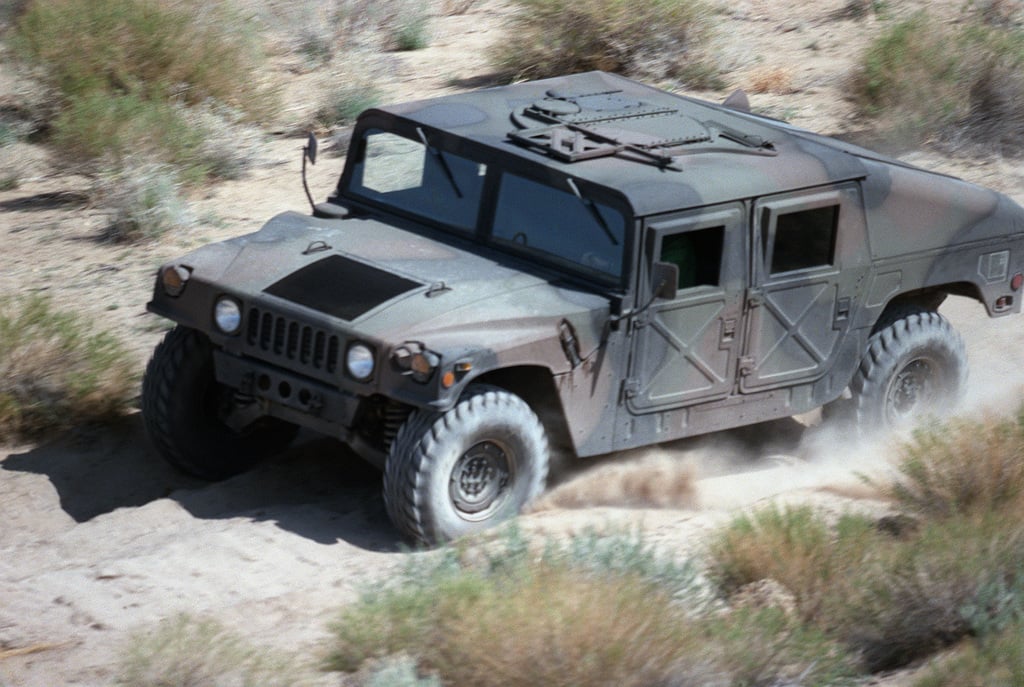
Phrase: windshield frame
pixel 498 163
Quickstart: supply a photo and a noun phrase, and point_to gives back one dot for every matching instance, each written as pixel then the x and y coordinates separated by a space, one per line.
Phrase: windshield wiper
pixel 594 211
pixel 440 158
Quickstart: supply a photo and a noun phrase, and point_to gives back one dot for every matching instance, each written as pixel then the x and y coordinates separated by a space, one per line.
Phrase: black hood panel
pixel 340 287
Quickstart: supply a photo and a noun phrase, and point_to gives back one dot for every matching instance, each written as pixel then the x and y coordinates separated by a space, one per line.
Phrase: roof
pixel 660 150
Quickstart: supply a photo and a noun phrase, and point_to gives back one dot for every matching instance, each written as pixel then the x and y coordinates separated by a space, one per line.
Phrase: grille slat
pixel 300 346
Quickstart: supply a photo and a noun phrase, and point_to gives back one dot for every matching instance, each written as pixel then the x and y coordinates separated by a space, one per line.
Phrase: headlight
pixel 174 278
pixel 359 361
pixel 227 314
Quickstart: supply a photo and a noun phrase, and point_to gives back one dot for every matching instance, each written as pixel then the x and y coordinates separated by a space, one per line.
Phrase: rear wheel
pixel 449 474
pixel 915 365
pixel 199 426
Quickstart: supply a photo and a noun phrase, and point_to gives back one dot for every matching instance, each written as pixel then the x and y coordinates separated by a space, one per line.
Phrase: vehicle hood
pixel 395 285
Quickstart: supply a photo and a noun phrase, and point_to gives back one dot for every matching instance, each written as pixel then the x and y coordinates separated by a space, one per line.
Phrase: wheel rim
pixel 914 390
pixel 480 480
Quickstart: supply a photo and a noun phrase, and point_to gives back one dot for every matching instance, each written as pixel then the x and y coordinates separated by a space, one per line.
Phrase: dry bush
pixel 956 579
pixel 144 200
pixel 796 547
pixel 124 75
pixel 190 51
pixel 648 38
pixel 186 652
pixel 995 662
pixel 55 372
pixel 963 467
pixel 600 612
pixel 777 80
pixel 951 84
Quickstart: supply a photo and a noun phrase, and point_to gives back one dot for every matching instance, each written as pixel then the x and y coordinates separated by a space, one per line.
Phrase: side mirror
pixel 665 280
pixel 311 148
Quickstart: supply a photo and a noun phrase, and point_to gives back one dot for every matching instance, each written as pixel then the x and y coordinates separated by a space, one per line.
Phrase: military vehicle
pixel 583 263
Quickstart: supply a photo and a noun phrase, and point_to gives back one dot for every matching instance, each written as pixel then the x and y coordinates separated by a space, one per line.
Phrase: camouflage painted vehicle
pixel 585 264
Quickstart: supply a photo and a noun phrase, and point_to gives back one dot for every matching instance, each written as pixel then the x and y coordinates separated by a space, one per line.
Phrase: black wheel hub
pixel 479 480
pixel 913 390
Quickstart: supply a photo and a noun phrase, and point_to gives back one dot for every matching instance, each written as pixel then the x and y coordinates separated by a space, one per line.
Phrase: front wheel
pixel 189 415
pixel 915 366
pixel 462 471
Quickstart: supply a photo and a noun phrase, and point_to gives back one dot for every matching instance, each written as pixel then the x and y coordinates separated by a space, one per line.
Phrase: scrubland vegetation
pixel 784 595
pixel 661 39
pixel 154 98
pixel 56 372
pixel 949 84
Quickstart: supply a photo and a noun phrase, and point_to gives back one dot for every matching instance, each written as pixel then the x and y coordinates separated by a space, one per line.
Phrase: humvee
pixel 585 264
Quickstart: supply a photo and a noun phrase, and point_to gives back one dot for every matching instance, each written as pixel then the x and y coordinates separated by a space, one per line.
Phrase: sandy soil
pixel 101 540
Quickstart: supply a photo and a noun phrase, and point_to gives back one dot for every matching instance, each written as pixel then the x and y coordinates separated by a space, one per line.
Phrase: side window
pixel 698 254
pixel 805 239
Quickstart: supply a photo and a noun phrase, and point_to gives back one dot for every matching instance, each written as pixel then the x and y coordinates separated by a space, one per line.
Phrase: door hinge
pixel 630 388
pixel 747 365
pixel 755 299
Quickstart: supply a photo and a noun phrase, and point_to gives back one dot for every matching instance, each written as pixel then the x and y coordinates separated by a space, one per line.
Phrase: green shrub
pixel 922 79
pixel 649 38
pixel 343 103
pixel 963 467
pixel 186 652
pixel 996 661
pixel 144 201
pixel 605 611
pixel 190 50
pixel 55 372
pixel 408 29
pixel 797 548
pixel 958 578
pixel 126 71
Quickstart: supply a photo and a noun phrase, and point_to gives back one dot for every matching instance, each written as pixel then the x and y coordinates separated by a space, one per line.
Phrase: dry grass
pixel 55 372
pixel 144 201
pixel 777 80
pixel 596 613
pixel 797 548
pixel 965 467
pixel 125 74
pixel 951 570
pixel 186 652
pixel 647 38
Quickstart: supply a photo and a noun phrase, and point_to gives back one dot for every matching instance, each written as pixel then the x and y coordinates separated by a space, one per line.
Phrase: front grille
pixel 298 346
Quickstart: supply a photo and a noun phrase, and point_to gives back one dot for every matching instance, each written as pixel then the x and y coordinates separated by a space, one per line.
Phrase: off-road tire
pixel 180 398
pixel 915 365
pixel 434 463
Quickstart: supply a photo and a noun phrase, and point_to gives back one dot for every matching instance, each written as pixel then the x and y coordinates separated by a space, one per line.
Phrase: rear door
pixel 685 349
pixel 809 255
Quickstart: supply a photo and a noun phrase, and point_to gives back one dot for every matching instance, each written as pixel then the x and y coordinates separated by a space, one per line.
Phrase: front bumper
pixel 289 396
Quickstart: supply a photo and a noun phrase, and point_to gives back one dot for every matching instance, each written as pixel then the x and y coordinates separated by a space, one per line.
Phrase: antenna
pixel 309 153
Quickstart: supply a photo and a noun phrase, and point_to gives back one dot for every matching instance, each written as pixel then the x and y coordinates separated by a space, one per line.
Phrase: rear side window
pixel 805 239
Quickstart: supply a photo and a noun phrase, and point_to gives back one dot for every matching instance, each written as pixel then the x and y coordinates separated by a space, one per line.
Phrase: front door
pixel 808 257
pixel 685 349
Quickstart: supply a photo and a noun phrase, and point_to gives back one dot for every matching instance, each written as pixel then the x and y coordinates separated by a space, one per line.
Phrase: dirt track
pixel 100 539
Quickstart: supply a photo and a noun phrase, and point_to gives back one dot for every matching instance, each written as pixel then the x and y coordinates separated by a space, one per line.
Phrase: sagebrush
pixel 953 84
pixel 644 38
pixel 192 652
pixel 599 612
pixel 124 74
pixel 56 371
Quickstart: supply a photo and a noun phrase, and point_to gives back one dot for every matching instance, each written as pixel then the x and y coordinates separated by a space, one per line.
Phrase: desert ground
pixel 101 540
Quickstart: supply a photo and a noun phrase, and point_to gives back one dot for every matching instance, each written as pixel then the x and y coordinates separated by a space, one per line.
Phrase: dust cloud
pixel 735 469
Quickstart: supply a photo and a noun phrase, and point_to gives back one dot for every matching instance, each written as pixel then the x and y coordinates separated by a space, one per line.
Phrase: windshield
pixel 417 179
pixel 552 225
